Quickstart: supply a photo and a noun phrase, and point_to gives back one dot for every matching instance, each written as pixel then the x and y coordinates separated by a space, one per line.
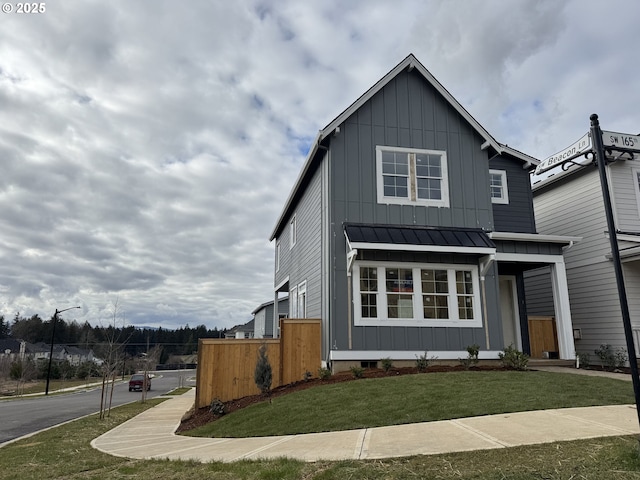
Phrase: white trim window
pixel 411 176
pixel 409 294
pixel 293 302
pixel 636 183
pixel 298 301
pixel 498 186
pixel 293 231
pixel 278 255
pixel 302 300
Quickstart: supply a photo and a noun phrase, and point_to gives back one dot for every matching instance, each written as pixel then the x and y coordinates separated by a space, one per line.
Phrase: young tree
pixel 263 374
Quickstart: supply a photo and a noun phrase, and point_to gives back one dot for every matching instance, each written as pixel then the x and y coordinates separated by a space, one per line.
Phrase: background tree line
pixel 136 341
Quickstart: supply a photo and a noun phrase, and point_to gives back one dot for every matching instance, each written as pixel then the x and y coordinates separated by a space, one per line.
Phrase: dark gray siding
pixel 302 262
pixel 517 215
pixel 407 112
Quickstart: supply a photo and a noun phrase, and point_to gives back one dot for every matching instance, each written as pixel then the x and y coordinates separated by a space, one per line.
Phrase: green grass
pixel 65 453
pixel 40 386
pixel 416 398
pixel 178 391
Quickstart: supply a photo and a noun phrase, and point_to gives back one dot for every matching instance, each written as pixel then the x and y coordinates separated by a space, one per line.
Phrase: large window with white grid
pixel 408 294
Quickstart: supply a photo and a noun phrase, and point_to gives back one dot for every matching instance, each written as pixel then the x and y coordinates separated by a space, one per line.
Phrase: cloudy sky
pixel 147 147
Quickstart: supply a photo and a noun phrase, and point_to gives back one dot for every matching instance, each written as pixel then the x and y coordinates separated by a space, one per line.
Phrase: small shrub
pixel 514 358
pixel 611 359
pixel 423 361
pixel 472 359
pixel 387 364
pixel 263 374
pixel 217 407
pixel 620 358
pixel 307 376
pixel 584 359
pixel 357 372
pixel 324 373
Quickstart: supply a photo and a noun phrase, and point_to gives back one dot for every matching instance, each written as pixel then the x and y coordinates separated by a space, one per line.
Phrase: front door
pixel 509 312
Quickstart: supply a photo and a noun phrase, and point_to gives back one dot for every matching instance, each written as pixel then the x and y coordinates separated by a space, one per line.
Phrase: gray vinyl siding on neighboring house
pixel 623 185
pixel 407 112
pixel 517 215
pixel 576 208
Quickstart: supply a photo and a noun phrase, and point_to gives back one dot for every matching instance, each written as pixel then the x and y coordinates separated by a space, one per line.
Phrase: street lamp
pixel 53 332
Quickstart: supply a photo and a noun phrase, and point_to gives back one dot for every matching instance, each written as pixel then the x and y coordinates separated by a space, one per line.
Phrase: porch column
pixel 562 307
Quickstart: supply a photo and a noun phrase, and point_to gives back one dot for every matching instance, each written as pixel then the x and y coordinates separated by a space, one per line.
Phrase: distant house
pixel 240 331
pixel 12 349
pixel 409 229
pixel 74 355
pixel 263 317
pixel 570 202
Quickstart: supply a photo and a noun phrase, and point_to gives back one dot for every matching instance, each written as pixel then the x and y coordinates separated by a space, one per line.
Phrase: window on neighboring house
pixel 498 186
pixel 293 231
pixel 412 176
pixel 293 302
pixel 298 301
pixel 636 179
pixel 416 295
pixel 302 300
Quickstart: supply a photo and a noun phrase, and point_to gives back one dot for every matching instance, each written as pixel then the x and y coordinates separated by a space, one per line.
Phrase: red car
pixel 136 382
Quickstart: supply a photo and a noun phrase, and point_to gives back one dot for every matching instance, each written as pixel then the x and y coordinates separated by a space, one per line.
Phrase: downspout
pixel 485 263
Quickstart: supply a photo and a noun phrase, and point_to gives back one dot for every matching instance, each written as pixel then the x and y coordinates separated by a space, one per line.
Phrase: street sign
pixel 569 153
pixel 621 140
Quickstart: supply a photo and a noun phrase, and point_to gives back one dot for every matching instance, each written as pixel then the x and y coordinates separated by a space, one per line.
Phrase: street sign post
pixel 626 143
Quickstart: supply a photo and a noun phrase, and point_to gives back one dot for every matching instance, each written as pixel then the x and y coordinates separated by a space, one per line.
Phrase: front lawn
pixel 416 398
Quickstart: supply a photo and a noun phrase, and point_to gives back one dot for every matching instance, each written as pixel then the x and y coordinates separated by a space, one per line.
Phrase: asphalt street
pixel 19 417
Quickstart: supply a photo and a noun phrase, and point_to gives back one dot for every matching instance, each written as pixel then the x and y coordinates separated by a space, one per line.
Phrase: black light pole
pixel 53 332
pixel 598 147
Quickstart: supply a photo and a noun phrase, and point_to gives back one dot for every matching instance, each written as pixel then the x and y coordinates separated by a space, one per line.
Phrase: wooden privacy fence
pixel 226 367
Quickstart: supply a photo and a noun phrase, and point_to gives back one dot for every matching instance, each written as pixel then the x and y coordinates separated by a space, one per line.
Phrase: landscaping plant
pixel 514 358
pixel 263 373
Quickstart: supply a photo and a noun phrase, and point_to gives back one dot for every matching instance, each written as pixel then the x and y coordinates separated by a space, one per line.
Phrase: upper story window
pixel 498 186
pixel 278 256
pixel 293 231
pixel 412 176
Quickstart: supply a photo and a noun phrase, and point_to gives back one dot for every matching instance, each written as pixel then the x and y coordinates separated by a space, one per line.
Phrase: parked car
pixel 136 382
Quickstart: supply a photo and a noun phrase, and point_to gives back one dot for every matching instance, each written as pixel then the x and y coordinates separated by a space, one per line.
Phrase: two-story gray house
pixel 409 229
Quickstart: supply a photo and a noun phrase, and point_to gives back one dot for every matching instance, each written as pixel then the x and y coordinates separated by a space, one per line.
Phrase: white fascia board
pixel 528 258
pixel 533 237
pixel 422 248
pixel 282 284
pixel 375 355
pixel 296 185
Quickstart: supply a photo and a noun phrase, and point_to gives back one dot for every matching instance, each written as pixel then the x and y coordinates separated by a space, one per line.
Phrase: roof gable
pixel 409 63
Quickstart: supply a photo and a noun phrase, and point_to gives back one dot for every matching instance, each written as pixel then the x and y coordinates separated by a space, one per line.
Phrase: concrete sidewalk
pixel 150 435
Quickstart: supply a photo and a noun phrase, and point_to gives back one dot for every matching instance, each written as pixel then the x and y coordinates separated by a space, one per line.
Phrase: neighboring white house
pixel 571 203
pixel 263 317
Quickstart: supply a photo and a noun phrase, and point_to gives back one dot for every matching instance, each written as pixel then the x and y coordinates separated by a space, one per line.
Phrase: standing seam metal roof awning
pixel 419 239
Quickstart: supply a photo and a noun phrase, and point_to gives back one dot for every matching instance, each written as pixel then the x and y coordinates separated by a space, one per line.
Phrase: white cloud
pixel 147 147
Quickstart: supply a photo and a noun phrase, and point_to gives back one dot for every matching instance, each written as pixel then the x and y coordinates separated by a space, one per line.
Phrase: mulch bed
pixel 203 416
